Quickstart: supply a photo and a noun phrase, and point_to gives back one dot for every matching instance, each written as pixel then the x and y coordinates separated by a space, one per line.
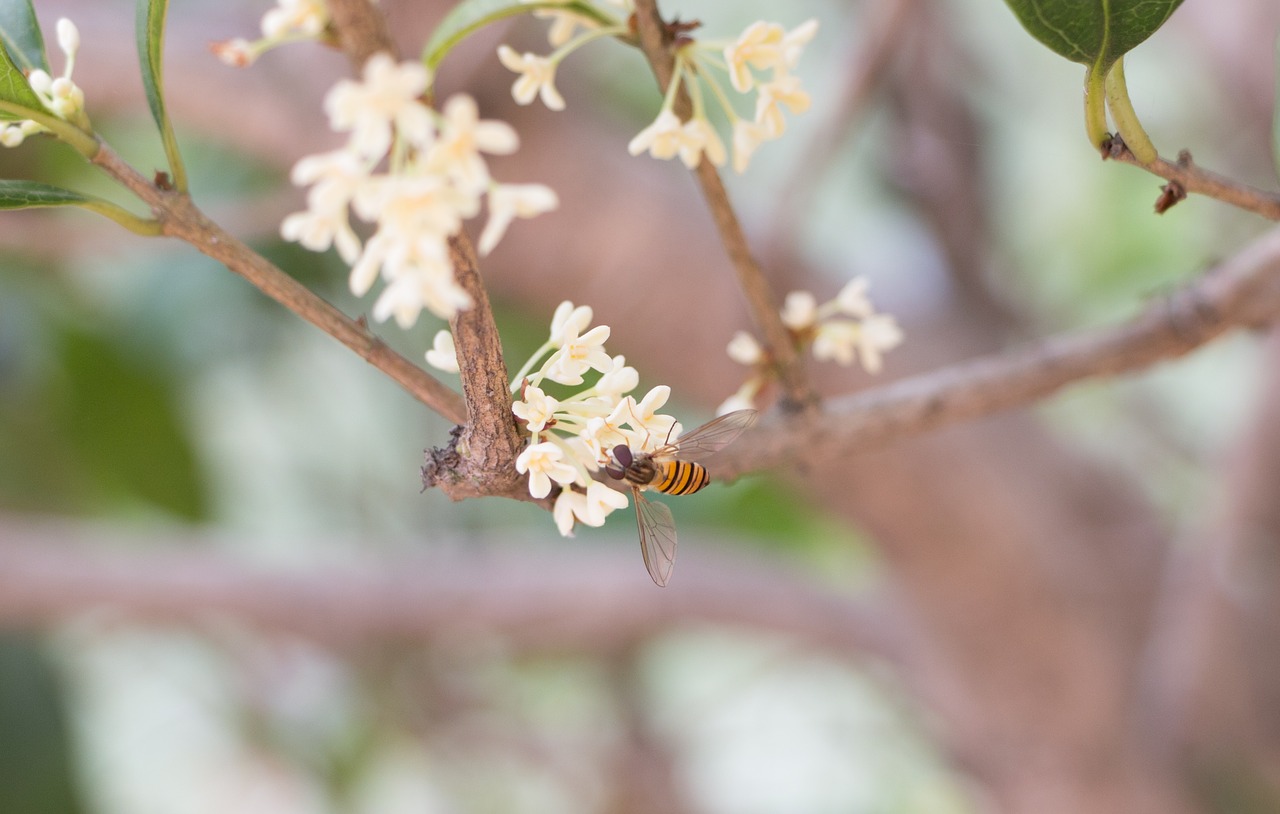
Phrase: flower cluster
pixel 759 61
pixel 61 96
pixel 415 174
pixel 573 425
pixel 843 330
pixel 289 21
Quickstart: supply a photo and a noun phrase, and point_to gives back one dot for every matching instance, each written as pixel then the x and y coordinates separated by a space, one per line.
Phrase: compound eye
pixel 622 454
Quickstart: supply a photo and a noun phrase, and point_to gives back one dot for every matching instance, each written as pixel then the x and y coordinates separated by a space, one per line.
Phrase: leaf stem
pixel 1095 108
pixel 1126 118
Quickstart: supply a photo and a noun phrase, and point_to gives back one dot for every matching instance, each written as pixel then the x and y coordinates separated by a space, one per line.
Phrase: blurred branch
pixel 1191 178
pixel 182 219
pixel 598 600
pixel 656 42
pixel 1242 291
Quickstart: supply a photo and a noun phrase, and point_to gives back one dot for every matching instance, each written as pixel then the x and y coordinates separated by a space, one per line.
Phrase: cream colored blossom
pixel 799 310
pixel 852 299
pixel 510 201
pixel 536 408
pixel 295 17
pixel 590 508
pixel 443 354
pixel 387 100
pixel 545 463
pixel 747 136
pixel 537 77
pixel 462 138
pixel 744 349
pixel 663 138
pixel 699 138
pixel 772 97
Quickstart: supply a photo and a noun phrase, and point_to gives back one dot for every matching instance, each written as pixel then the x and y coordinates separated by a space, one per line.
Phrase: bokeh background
pixel 221 588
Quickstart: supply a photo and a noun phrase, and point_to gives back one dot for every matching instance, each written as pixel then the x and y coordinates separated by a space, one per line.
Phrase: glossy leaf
pixel 15 90
pixel 21 37
pixel 1092 32
pixel 470 16
pixel 150 34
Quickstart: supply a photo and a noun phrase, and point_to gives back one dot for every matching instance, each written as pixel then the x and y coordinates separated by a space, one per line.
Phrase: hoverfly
pixel 663 471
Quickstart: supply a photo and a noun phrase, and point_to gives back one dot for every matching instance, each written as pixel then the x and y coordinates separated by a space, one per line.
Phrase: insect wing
pixel 711 437
pixel 657 537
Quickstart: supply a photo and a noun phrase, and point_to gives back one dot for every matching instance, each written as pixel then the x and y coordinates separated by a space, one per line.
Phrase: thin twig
pixel 182 219
pixel 1203 182
pixel 656 42
pixel 1243 291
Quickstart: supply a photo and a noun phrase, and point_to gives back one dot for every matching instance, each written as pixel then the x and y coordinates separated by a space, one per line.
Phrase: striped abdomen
pixel 680 477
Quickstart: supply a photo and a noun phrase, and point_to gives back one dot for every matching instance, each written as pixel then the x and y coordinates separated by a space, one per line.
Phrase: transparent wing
pixel 657 537
pixel 711 437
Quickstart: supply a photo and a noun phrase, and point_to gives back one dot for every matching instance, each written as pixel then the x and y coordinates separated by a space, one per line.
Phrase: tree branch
pixel 656 43
pixel 182 219
pixel 1242 291
pixel 1192 178
pixel 597 600
pixel 482 458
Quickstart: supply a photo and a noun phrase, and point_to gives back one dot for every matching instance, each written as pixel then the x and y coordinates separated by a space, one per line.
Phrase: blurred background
pixel 221 588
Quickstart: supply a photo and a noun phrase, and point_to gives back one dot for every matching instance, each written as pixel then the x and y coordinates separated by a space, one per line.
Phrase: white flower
pixel 545 463
pixel 290 17
pixel 852 299
pixel 569 321
pixel 759 47
pixel 537 77
pixel 462 137
pixel 563 24
pixel 799 311
pixel 785 90
pixel 68 39
pixel 618 380
pixel 795 41
pixel 413 206
pixel 578 354
pixel 744 349
pixel 880 332
pixel 443 354
pixel 839 340
pixel 387 98
pixel 763 46
pixel 591 508
pixel 744 399
pixel 537 408
pixel 698 138
pixel 663 138
pixel 747 136
pixel 337 177
pixel 415 286
pixel 510 201
pixel 649 429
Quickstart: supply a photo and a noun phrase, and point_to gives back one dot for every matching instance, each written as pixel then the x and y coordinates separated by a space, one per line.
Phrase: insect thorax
pixel 642 471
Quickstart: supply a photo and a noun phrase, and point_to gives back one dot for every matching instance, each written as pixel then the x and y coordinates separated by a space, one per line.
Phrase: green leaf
pixel 33 194
pixel 1092 32
pixel 15 89
pixel 29 194
pixel 150 33
pixel 470 16
pixel 21 37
